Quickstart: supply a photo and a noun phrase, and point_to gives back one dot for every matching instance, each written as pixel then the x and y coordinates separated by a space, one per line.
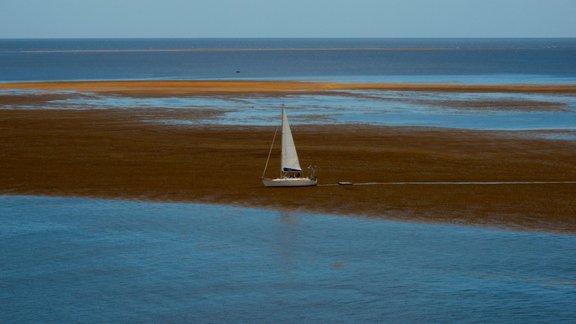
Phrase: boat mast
pixel 282 148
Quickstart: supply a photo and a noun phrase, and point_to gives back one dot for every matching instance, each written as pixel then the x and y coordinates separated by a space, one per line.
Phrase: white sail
pixel 289 161
pixel 289 156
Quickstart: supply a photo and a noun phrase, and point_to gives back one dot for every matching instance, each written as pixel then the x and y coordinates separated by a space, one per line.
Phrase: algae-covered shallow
pixel 70 260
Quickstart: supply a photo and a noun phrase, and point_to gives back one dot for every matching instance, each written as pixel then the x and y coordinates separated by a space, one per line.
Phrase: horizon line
pixel 291 37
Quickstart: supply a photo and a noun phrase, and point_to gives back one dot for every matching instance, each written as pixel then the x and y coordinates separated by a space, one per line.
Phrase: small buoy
pixel 344 183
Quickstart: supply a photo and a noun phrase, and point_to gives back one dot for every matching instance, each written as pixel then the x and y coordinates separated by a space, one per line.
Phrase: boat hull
pixel 289 182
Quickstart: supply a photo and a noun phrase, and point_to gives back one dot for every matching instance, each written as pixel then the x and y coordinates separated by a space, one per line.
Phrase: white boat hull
pixel 289 182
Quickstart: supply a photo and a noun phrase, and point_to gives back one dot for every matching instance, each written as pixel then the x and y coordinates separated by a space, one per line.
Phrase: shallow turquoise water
pixel 390 108
pixel 64 260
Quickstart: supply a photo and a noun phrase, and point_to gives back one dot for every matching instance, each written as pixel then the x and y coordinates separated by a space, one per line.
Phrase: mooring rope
pixel 448 183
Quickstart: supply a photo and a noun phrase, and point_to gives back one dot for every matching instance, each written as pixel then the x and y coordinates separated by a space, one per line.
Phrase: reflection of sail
pixel 289 156
pixel 288 219
pixel 286 245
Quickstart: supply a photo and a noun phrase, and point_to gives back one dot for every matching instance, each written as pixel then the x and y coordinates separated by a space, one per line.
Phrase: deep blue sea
pixel 451 60
pixel 89 260
pixel 106 261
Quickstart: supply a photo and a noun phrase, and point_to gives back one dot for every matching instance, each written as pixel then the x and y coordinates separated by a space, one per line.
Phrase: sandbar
pixel 125 154
pixel 166 88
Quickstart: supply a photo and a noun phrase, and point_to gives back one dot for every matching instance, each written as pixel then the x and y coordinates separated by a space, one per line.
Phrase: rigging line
pixel 270 152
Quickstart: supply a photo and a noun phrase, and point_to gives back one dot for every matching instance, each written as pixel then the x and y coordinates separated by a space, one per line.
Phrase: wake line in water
pixel 448 183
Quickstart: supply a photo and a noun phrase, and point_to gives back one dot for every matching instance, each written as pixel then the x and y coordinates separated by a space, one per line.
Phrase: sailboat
pixel 290 170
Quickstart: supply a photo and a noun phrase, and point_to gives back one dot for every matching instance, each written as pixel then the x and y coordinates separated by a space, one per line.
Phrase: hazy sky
pixel 288 18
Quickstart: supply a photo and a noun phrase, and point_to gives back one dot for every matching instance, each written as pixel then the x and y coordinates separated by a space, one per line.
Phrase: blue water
pixel 79 260
pixel 469 61
pixel 457 60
